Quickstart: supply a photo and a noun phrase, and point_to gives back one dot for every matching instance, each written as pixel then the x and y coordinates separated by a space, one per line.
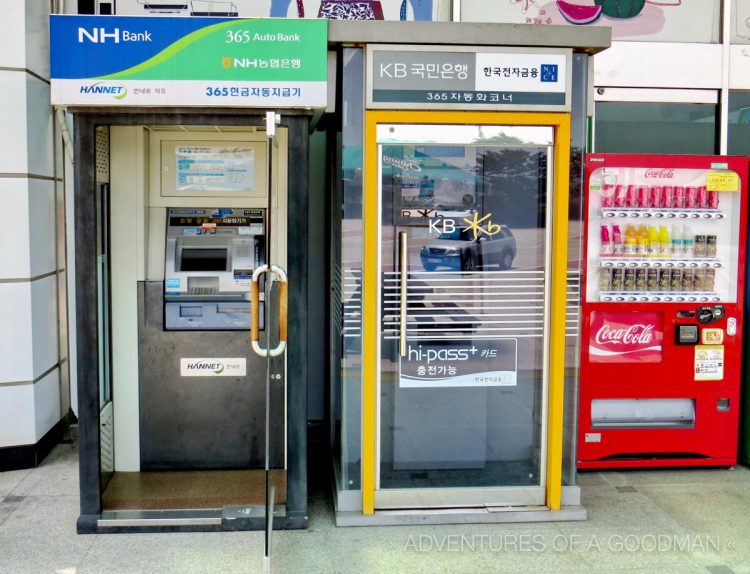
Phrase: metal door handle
pixel 255 310
pixel 403 265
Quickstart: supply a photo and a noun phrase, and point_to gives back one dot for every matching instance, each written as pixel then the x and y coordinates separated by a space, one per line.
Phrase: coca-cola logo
pixel 660 173
pixel 638 334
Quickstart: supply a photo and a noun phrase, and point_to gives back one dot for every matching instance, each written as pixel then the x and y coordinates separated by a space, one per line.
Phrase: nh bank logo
pixel 117 91
pixel 102 36
pixel 229 62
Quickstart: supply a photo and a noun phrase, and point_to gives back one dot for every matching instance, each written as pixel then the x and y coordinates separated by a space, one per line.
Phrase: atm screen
pixel 203 260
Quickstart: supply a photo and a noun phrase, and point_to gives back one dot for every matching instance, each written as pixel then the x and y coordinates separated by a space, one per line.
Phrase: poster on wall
pixel 650 20
pixel 443 364
pixel 214 168
pixel 330 9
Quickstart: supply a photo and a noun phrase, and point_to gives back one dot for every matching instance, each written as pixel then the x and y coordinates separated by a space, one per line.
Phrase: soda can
pixel 675 279
pixel 641 279
pixel 699 283
pixel 605 279
pixel 678 201
pixel 688 278
pixel 699 248
pixel 691 197
pixel 617 279
pixel 631 197
pixel 620 196
pixel 667 197
pixel 711 246
pixel 655 196
pixel 710 281
pixel 643 197
pixel 628 282
pixel 702 197
pixel 652 280
pixel 663 279
pixel 713 200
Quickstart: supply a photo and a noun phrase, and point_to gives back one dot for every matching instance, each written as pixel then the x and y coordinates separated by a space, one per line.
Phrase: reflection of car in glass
pixel 457 250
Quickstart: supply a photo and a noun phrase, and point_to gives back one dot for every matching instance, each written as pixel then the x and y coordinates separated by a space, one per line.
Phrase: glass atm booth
pixel 452 174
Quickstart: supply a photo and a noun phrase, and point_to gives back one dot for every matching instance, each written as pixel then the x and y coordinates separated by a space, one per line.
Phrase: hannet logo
pixel 215 367
pixel 117 91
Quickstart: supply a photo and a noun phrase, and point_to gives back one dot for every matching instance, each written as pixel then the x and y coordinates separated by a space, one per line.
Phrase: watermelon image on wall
pixel 577 13
pixel 621 8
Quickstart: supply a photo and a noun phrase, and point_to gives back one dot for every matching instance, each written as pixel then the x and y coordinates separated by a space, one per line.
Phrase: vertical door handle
pixel 403 264
pixel 255 310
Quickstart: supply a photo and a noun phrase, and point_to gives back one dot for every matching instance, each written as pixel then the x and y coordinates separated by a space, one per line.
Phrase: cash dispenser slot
pixel 642 413
pixel 209 261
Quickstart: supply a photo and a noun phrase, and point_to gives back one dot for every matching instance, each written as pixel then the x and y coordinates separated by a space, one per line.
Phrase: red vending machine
pixel 662 310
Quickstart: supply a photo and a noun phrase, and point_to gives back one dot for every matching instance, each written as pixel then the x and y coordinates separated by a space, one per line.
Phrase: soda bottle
pixel 664 246
pixel 652 280
pixel 617 247
pixel 653 241
pixel 631 241
pixel 606 242
pixel 687 241
pixel 643 242
pixel 676 244
pixel 631 196
pixel 620 199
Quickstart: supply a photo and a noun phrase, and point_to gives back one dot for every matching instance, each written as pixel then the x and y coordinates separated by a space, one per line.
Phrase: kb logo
pixel 442 225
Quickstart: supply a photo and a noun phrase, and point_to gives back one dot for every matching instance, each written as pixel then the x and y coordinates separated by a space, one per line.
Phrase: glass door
pixel 465 250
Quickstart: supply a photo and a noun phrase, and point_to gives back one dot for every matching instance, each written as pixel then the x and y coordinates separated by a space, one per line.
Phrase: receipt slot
pixel 210 258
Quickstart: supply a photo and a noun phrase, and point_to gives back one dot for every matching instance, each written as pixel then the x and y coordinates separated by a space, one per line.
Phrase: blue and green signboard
pixel 152 61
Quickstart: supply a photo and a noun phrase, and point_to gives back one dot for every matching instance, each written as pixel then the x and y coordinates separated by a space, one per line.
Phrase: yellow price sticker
pixel 722 181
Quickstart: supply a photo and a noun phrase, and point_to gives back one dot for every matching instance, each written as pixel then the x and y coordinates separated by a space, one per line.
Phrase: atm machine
pixel 210 258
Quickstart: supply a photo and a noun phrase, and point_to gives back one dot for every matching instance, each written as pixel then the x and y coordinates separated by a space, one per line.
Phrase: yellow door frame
pixel 560 122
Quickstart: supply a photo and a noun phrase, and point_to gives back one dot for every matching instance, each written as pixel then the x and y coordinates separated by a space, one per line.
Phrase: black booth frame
pixel 86 120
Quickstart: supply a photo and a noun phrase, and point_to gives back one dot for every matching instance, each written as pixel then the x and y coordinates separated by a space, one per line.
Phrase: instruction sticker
pixel 709 362
pixel 722 181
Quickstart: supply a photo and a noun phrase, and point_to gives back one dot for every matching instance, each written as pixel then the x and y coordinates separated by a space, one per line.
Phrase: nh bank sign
pixel 207 62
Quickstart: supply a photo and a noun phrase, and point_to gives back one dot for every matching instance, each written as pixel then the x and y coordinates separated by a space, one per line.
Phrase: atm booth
pixel 452 278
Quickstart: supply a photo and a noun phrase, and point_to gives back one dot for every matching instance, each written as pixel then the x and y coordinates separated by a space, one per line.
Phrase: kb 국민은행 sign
pixel 153 61
pixel 456 77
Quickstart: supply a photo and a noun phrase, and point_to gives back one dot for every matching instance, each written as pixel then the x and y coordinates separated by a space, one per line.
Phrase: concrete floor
pixel 639 521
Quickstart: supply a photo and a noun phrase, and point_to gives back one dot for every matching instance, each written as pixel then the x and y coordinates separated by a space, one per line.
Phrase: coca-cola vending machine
pixel 662 310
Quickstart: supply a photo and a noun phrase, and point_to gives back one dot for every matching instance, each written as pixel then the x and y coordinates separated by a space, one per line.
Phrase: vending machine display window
pixel 663 234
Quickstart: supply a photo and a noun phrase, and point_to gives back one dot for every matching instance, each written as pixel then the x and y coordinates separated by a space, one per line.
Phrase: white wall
pixel 30 377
